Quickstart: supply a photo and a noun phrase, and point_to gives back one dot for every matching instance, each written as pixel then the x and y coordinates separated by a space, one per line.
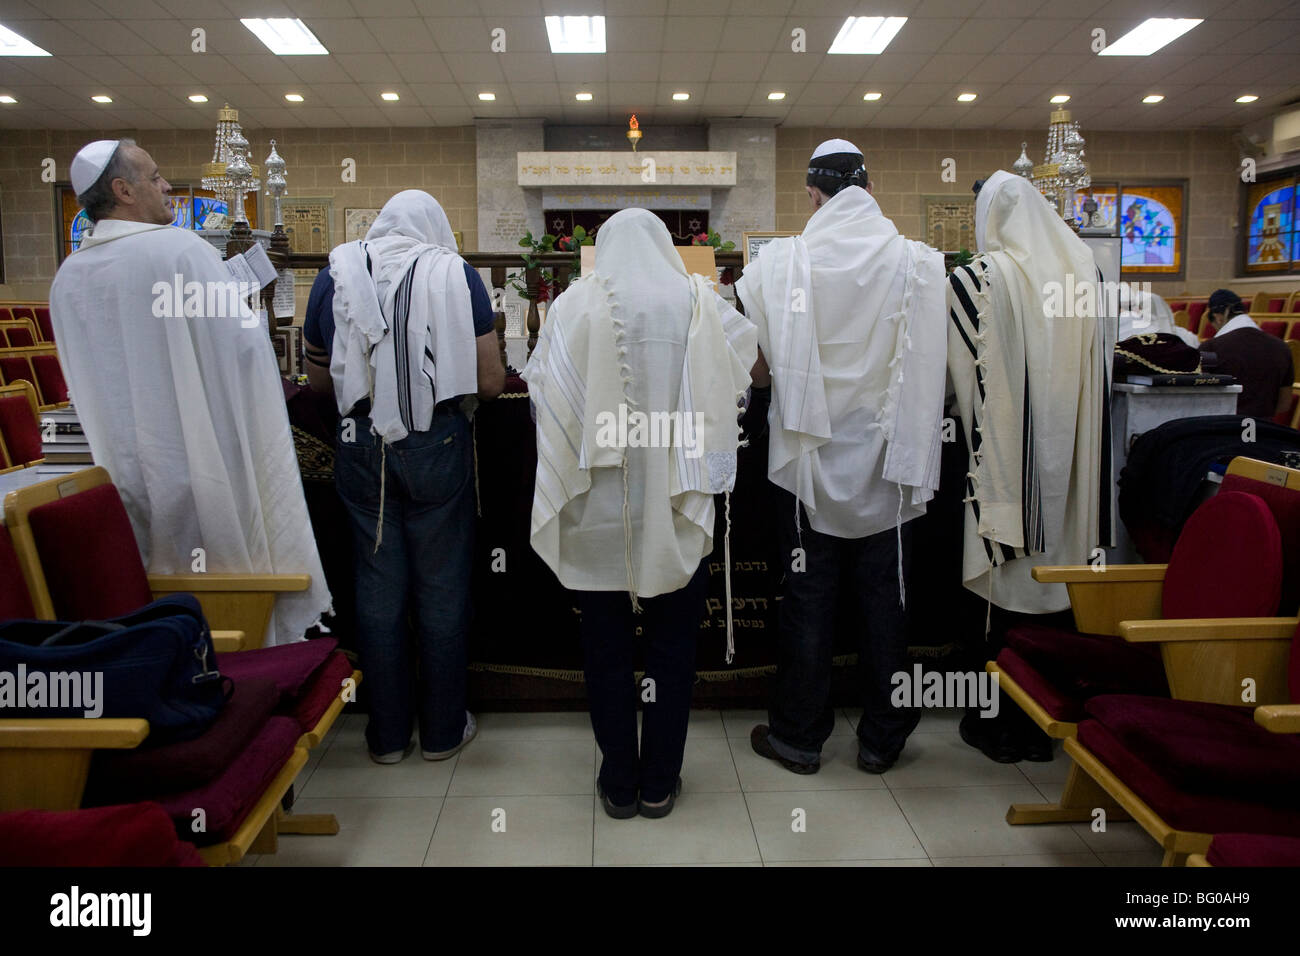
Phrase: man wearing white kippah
pixel 176 386
pixel 850 320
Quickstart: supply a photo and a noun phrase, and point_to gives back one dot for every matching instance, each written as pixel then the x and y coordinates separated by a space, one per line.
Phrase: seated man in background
pixel 1260 362
pixel 186 412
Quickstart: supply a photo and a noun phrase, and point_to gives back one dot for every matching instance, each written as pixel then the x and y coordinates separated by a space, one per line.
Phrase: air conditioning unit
pixel 1275 142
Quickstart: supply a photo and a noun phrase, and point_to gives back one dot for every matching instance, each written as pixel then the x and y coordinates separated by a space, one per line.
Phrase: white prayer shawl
pixel 403 322
pixel 1033 395
pixel 1149 315
pixel 187 414
pixel 636 336
pixel 850 320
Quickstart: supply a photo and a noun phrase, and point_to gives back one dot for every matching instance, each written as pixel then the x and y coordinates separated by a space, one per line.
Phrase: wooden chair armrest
pixel 1208 629
pixel 1099 573
pixel 228 582
pixel 226 641
pixel 1279 718
pixel 57 733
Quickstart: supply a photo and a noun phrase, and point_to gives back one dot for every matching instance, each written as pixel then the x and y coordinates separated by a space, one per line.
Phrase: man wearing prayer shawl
pixel 185 411
pixel 1032 389
pixel 635 382
pixel 412 334
pixel 850 321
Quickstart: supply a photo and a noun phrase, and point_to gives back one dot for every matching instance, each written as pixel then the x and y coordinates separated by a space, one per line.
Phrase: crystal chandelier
pixel 1063 171
pixel 230 175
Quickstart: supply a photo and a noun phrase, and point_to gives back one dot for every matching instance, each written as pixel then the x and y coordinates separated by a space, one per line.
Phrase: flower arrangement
pixel 711 238
pixel 548 286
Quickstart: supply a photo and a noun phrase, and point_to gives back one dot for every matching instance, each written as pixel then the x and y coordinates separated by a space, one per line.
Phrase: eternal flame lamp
pixel 633 132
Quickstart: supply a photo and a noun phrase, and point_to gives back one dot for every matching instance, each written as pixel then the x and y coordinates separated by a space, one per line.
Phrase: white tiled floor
pixel 523 793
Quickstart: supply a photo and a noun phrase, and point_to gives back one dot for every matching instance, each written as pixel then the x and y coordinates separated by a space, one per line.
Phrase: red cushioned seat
pixel 1177 306
pixel 19 337
pixel 1234 533
pixel 119 776
pixel 325 686
pixel 1058 703
pixel 1294 331
pixel 227 800
pixel 15 601
pixel 49 378
pixel 20 429
pixel 89 555
pixel 14 368
pixel 1277 305
pixel 1277 329
pixel 308 675
pixel 1284 504
pixel 1253 849
pixel 1194 312
pixel 1199 813
pixel 1204 748
pixel 137 834
pixel 23 312
pixel 44 324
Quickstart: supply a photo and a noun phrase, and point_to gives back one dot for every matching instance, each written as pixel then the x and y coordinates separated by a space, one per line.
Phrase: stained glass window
pixel 1150 229
pixel 1272 242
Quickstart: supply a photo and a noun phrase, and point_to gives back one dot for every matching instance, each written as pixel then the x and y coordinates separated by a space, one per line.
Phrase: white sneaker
pixel 471 728
pixel 397 756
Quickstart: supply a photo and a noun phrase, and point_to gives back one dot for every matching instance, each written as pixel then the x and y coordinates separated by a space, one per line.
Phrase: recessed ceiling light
pixel 7 99
pixel 966 97
pixel 11 44
pixel 1153 98
pixel 1149 36
pixel 776 95
pixel 1061 98
pixel 285 37
pixel 487 97
pixel 582 97
pixel 681 96
pixel 576 34
pixel 102 99
pixel 198 98
pixel 1248 98
pixel 871 96
pixel 866 34
pixel 293 97
pixel 390 97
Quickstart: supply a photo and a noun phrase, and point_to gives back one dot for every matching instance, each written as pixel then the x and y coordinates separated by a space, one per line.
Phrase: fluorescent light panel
pixel 1248 98
pixel 389 97
pixel 866 34
pixel 871 97
pixel 7 99
pixel 198 98
pixel 1149 36
pixel 12 44
pixel 681 96
pixel 1061 98
pixel 966 97
pixel 776 95
pixel 1153 98
pixel 102 99
pixel 285 37
pixel 582 97
pixel 576 34
pixel 487 97
pixel 293 97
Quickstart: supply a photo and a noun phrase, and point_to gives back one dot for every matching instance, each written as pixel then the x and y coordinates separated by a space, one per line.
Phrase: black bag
pixel 157 664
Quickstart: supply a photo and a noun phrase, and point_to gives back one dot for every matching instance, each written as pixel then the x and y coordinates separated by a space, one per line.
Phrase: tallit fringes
pixel 898 529
pixel 726 553
pixel 383 475
pixel 627 541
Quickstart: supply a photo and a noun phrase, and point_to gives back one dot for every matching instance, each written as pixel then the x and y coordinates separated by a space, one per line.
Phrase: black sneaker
pixel 763 747
pixel 990 738
pixel 874 764
pixel 663 809
pixel 613 809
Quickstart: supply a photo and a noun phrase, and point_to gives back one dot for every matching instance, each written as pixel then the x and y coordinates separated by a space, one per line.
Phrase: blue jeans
pixel 417 581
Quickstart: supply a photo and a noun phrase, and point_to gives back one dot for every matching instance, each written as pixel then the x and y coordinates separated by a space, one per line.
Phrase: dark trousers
pixel 670 625
pixel 866 570
pixel 419 576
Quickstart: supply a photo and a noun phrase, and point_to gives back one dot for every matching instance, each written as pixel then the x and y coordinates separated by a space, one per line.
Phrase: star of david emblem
pixel 695 225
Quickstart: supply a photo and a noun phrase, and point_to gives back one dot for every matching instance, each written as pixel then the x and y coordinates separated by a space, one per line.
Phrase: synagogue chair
pixel 237 772
pixel 20 432
pixel 38 364
pixel 1051 674
pixel 1195 310
pixel 43 323
pixel 1188 769
pixel 63 526
pixel 1273 328
pixel 17 333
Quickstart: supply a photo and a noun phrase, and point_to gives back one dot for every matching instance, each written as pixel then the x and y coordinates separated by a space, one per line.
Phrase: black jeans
pixel 801 716
pixel 671 625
